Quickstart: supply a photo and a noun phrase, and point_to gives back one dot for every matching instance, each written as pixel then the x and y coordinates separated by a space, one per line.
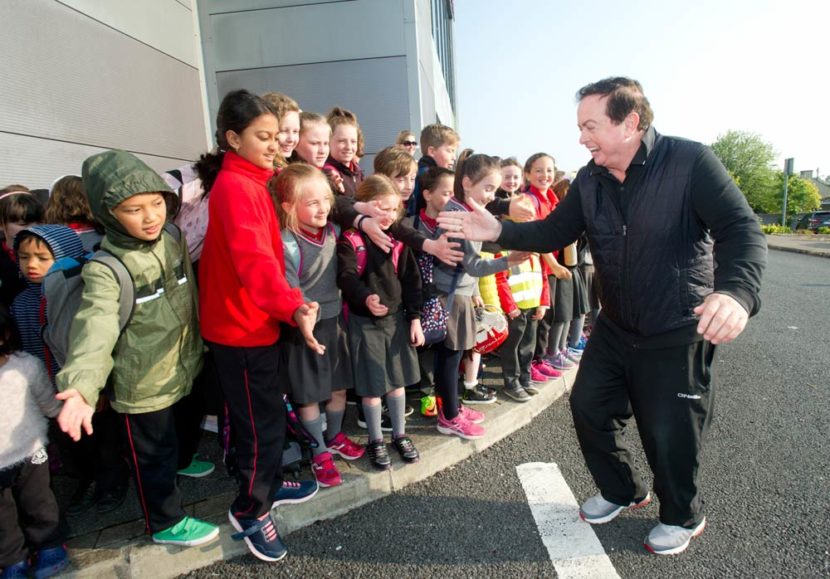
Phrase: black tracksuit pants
pixel 517 350
pixel 152 448
pixel 667 388
pixel 28 511
pixel 250 382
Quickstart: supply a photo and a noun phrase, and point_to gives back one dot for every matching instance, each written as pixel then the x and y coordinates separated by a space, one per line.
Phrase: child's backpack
pixel 63 286
pixel 192 217
pixel 433 314
pixel 355 239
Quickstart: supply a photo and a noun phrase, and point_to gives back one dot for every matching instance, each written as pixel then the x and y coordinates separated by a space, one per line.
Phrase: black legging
pixel 446 379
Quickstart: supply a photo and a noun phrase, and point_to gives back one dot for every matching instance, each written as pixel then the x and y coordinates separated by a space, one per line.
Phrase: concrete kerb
pixel 140 558
pixel 815 245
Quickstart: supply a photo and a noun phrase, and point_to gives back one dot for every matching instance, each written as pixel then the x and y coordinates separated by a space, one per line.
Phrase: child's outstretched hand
pixel 306 317
pixel 374 305
pixel 522 209
pixel 75 414
pixel 416 333
pixel 516 257
pixel 444 249
pixel 336 179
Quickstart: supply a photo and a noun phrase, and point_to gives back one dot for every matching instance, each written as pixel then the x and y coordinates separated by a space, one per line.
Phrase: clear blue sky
pixel 706 67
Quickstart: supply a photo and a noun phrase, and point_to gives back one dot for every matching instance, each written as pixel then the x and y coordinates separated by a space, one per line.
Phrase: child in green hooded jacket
pixel 151 364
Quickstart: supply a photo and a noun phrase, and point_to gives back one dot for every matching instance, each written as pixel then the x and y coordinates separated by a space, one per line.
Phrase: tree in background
pixel 802 196
pixel 748 158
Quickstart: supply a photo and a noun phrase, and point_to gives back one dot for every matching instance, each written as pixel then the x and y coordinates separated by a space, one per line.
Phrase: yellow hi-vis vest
pixel 487 286
pixel 525 281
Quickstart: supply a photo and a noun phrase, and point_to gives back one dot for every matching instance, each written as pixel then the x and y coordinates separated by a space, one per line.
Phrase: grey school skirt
pixel 311 377
pixel 461 323
pixel 382 356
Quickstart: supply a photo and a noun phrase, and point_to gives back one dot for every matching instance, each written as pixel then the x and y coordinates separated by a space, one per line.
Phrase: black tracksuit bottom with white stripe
pixel 665 384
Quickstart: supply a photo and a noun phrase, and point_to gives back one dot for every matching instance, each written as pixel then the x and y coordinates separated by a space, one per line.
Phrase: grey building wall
pixel 80 76
pixel 374 57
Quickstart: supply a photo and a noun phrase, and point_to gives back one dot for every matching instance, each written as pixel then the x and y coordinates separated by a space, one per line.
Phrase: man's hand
pixel 444 249
pixel 722 318
pixel 561 272
pixel 374 305
pixel 306 317
pixel 477 225
pixel 539 313
pixel 478 302
pixel 75 414
pixel 514 314
pixel 370 227
pixel 416 333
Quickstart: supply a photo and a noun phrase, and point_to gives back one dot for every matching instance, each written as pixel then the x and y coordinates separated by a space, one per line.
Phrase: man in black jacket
pixel 678 255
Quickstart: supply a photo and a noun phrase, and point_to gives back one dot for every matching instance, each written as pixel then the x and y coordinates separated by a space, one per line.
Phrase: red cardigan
pixel 244 294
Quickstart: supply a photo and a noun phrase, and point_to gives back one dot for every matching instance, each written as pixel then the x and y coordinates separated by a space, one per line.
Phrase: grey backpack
pixel 63 287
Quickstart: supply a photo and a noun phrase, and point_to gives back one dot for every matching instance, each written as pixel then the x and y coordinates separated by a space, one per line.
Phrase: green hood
pixel 113 176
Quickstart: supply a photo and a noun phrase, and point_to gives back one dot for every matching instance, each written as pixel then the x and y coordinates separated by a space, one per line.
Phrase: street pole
pixel 788 170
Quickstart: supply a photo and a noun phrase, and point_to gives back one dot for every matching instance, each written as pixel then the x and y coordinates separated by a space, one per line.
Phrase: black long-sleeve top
pixel 719 208
pixel 396 289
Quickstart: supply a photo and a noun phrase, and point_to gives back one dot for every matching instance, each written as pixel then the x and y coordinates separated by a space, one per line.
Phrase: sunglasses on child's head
pixel 410 144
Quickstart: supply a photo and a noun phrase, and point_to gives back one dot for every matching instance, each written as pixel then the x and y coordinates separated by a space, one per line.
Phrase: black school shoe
pixel 406 448
pixel 378 455
pixel 111 499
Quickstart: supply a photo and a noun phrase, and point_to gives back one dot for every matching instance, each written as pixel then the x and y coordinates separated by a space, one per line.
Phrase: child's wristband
pixel 360 222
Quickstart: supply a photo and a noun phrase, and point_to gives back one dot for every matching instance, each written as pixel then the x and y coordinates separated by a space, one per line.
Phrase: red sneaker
pixel 325 471
pixel 345 448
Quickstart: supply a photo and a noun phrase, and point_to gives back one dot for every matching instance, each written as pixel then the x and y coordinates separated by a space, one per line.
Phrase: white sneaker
pixel 597 510
pixel 671 539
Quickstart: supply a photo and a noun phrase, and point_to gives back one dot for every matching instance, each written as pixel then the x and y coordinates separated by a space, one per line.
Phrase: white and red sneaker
pixel 345 448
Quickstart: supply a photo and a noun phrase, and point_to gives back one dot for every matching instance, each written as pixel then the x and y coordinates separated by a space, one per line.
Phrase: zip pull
pixel 625 230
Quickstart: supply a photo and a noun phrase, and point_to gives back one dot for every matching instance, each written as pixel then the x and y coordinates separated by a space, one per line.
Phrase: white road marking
pixel 571 543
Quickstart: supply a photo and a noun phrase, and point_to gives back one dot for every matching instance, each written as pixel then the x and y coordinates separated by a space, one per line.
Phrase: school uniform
pixel 311 266
pixel 383 357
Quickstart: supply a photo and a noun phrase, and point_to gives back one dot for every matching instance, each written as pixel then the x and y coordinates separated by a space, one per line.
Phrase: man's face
pixel 605 140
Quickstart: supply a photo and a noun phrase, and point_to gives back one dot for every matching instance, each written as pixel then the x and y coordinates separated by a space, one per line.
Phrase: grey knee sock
pixel 373 418
pixel 334 422
pixel 315 429
pixel 557 332
pixel 397 408
pixel 575 332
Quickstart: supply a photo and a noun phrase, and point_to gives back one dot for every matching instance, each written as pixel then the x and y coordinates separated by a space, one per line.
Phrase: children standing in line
pixel 245 297
pixel 288 118
pixel 29 518
pixel 397 164
pixel 304 200
pixel 438 145
pixel 151 364
pixel 343 149
pixel 436 186
pixel 539 172
pixel 68 205
pixel 383 293
pixel 477 178
pixel 511 178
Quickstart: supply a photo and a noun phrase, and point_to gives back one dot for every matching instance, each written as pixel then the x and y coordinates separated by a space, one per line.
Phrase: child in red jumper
pixel 244 299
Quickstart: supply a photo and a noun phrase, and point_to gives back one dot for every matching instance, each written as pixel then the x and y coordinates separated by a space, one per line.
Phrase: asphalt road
pixel 766 476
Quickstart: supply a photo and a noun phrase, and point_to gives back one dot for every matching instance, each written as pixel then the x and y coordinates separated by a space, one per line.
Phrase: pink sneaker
pixel 324 471
pixel 536 374
pixel 546 369
pixel 459 426
pixel 345 448
pixel 471 415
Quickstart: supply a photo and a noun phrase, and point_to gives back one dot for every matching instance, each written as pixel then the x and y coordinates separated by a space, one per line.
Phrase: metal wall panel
pixel 162 24
pixel 306 34
pixel 69 78
pixel 36 163
pixel 374 89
